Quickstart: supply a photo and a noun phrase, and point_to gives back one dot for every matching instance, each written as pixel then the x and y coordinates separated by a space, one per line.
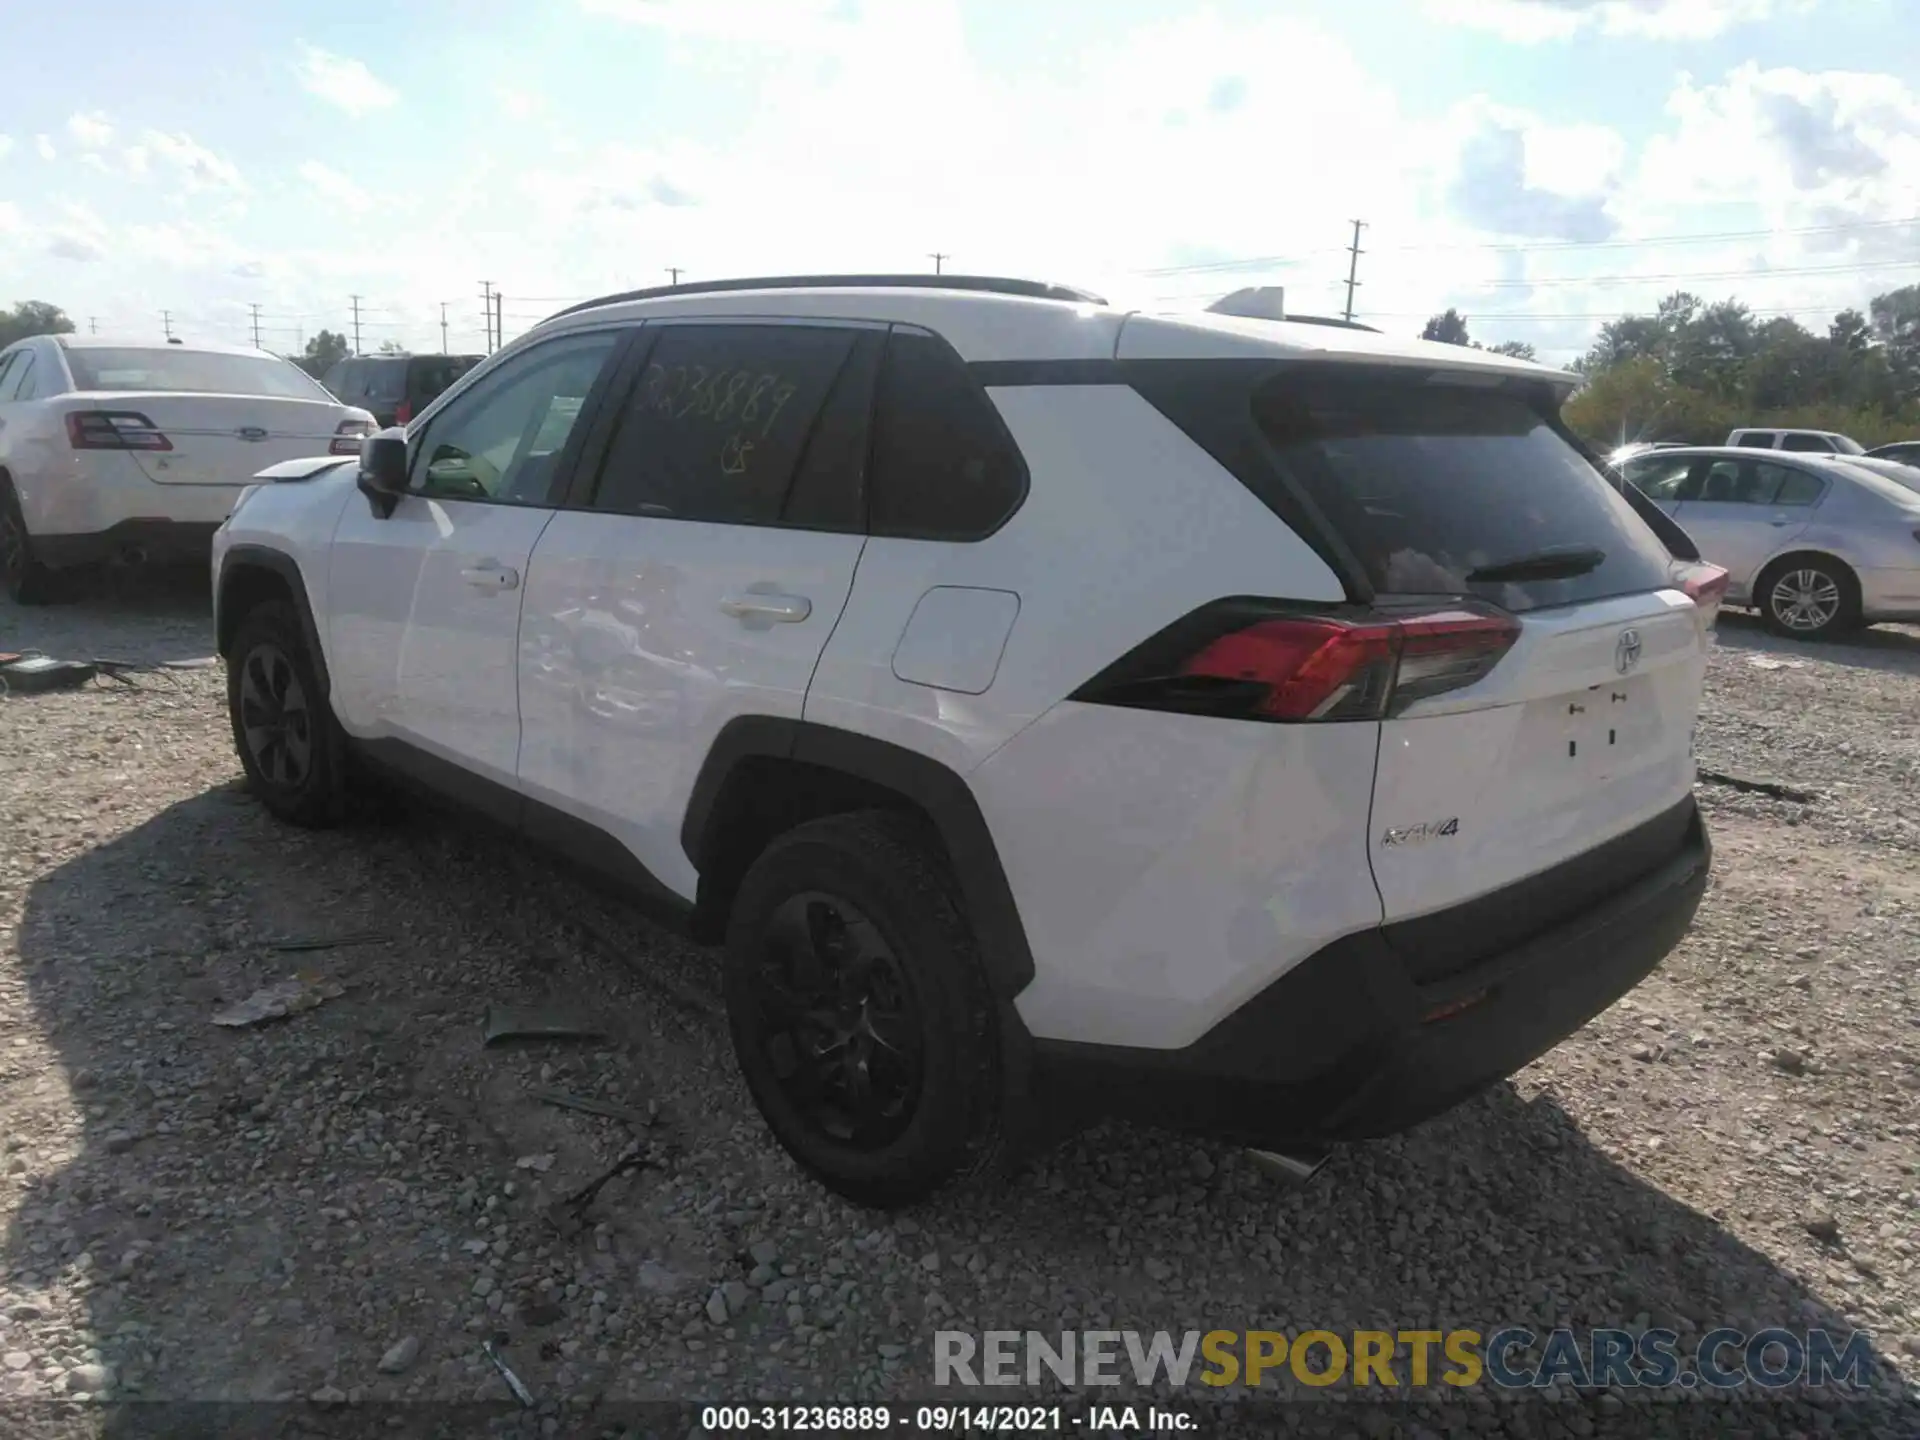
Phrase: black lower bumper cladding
pixel 1356 1041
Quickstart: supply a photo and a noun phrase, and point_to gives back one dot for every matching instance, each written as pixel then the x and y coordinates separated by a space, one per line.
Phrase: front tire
pixel 1810 599
pixel 860 1013
pixel 27 581
pixel 283 729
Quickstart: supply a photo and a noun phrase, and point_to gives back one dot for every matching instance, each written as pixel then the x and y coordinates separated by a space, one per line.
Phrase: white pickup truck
pixel 1816 442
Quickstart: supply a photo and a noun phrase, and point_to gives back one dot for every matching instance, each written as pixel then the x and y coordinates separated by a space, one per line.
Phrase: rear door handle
pixel 782 609
pixel 490 575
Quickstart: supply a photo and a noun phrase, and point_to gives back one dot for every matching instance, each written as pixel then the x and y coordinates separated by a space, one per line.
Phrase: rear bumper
pixel 1348 1046
pixel 158 542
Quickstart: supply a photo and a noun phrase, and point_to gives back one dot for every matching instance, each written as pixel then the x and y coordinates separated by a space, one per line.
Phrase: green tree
pixel 1518 349
pixel 323 352
pixel 32 317
pixel 1449 327
pixel 1896 325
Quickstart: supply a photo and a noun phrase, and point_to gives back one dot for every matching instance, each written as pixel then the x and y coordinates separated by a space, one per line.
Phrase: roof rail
pixel 1031 289
pixel 1329 320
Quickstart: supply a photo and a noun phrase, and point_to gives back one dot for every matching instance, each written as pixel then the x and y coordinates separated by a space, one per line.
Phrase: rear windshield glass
pixel 1429 484
pixel 201 372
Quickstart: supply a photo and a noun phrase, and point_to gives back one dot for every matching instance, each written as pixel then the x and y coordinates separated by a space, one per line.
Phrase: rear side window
pixel 1813 444
pixel 8 373
pixel 944 466
pixel 1756 440
pixel 1447 490
pixel 384 380
pixel 427 378
pixel 1796 487
pixel 25 383
pixel 721 421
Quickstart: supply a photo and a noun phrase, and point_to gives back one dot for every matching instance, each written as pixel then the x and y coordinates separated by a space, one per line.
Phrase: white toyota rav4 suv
pixel 113 449
pixel 1263 729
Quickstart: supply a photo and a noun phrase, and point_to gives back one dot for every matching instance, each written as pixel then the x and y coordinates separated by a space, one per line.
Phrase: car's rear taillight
pixel 1255 660
pixel 113 430
pixel 347 438
pixel 1705 585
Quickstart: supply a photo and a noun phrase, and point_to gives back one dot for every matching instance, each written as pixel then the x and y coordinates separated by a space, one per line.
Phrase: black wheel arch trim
pixel 264 557
pixel 938 791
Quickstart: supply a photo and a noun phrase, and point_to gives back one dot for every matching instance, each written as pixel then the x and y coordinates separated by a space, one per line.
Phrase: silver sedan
pixel 1817 544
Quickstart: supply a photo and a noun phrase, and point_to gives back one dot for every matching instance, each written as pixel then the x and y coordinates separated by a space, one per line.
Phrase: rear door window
pixel 1437 488
pixel 1809 443
pixel 1756 440
pixel 1659 479
pixel 743 424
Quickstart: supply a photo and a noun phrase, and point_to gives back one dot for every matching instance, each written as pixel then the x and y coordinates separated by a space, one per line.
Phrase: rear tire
pixel 861 1017
pixel 283 728
pixel 1809 598
pixel 27 581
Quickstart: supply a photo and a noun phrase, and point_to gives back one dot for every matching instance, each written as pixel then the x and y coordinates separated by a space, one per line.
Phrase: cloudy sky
pixel 1541 164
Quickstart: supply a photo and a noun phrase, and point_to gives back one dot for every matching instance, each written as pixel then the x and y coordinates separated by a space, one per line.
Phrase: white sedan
pixel 112 450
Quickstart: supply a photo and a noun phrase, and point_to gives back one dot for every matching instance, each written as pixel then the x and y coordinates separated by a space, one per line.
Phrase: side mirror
pixel 383 470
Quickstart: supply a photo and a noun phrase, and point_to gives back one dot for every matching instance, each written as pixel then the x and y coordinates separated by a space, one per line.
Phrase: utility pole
pixel 1353 266
pixel 166 322
pixel 256 325
pixel 93 325
pixel 443 327
pixel 486 310
pixel 673 273
pixel 356 324
pixel 499 321
pixel 939 257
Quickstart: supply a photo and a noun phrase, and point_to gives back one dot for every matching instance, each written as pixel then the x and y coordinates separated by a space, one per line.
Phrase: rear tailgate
pixel 222 439
pixel 1451 485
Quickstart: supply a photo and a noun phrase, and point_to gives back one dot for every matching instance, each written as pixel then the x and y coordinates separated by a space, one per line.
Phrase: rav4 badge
pixel 1420 834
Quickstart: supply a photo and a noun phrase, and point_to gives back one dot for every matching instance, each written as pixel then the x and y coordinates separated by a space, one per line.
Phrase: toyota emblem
pixel 1626 654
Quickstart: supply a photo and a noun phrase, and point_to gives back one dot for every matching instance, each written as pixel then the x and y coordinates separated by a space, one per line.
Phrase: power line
pixel 1258 262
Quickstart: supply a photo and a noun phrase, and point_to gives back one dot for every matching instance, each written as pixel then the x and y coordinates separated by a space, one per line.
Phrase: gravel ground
pixel 344 1205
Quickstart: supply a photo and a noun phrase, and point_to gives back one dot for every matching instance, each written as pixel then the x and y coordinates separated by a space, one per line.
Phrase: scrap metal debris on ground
pixel 588 1105
pixel 568 1215
pixel 334 942
pixel 1757 787
pixel 506 1022
pixel 520 1391
pixel 280 1000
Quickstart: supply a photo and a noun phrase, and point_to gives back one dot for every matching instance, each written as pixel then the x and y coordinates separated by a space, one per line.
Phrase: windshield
pixel 192 372
pixel 1846 446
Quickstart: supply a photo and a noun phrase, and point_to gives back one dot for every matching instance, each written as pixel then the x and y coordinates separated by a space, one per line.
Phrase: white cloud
pixel 343 82
pixel 1530 22
pixel 779 24
pixel 44 144
pixel 520 104
pixel 81 236
pixel 91 131
pixel 11 222
pixel 6 146
pixel 198 166
pixel 333 187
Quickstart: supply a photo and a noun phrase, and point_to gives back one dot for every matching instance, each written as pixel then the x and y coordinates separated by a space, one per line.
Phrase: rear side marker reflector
pixel 1259 660
pixel 113 430
pixel 1452 1008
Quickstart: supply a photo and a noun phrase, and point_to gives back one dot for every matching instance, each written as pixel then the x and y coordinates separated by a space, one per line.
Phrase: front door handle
pixel 782 609
pixel 491 576
pixel 1779 522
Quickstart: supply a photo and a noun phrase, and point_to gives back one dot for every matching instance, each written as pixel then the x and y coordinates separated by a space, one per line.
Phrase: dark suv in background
pixel 395 388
